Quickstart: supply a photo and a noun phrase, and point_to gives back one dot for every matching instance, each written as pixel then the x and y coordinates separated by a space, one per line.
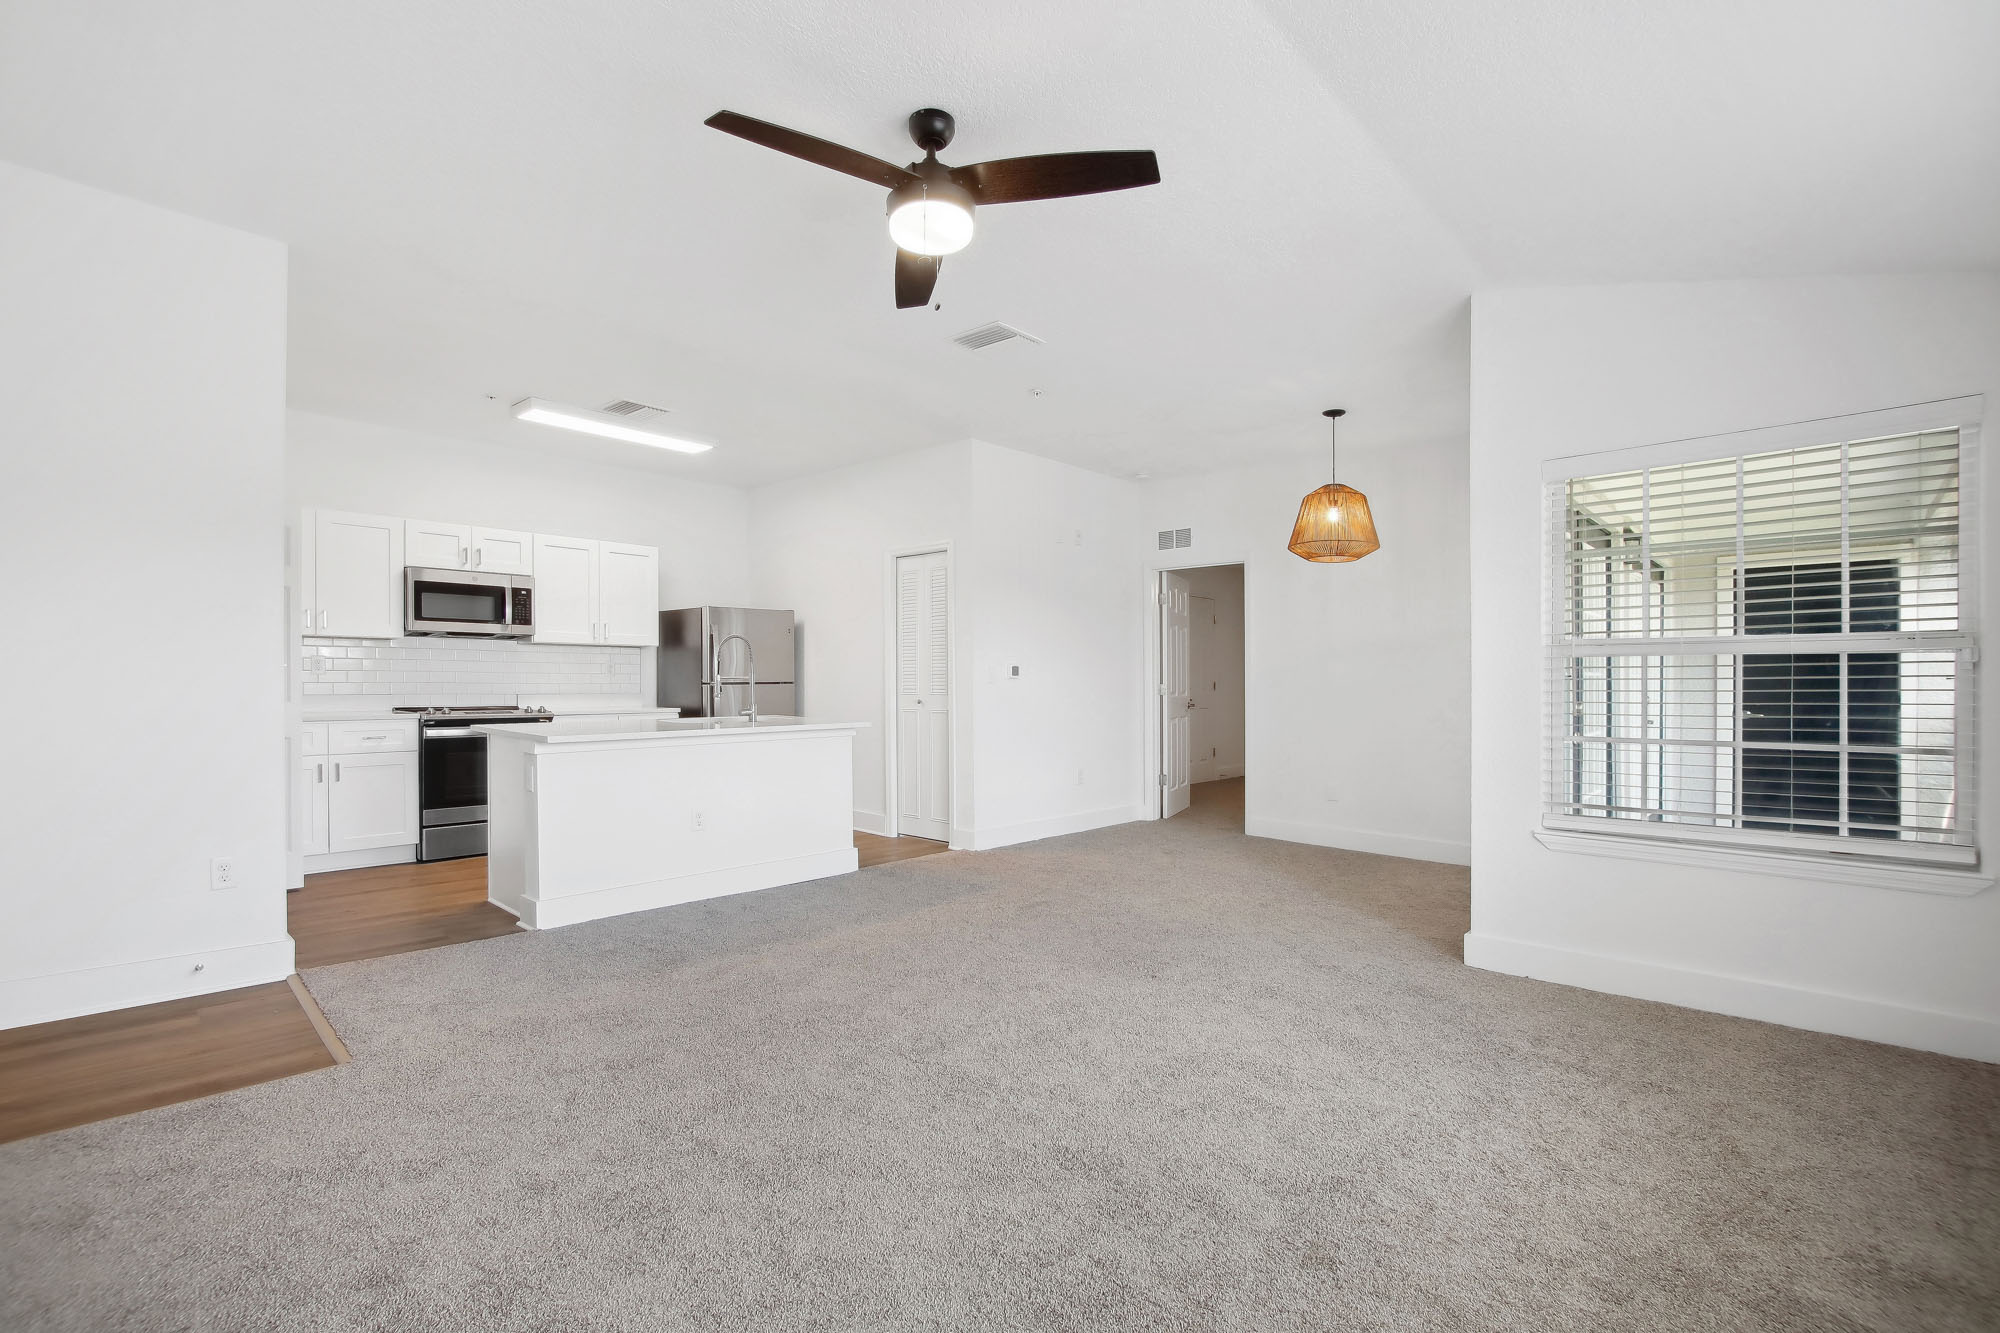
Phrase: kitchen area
pixel 476 704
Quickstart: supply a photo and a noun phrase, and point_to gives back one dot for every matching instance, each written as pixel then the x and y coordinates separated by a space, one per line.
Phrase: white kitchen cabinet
pixel 435 545
pixel 498 551
pixel 309 805
pixel 371 801
pixel 596 592
pixel 432 545
pixel 357 576
pixel 628 585
pixel 566 595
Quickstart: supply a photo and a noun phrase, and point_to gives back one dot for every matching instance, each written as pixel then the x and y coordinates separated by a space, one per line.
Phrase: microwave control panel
pixel 521 608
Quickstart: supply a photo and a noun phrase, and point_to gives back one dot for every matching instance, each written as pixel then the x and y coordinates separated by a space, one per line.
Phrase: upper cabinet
pixel 628 602
pixel 586 591
pixel 355 588
pixel 498 551
pixel 431 545
pixel 596 592
pixel 565 590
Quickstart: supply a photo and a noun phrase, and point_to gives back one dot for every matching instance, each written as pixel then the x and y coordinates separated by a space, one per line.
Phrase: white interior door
pixel 1176 695
pixel 923 696
pixel 565 590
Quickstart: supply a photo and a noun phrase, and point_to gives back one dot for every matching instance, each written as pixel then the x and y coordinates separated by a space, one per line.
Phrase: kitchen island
pixel 597 817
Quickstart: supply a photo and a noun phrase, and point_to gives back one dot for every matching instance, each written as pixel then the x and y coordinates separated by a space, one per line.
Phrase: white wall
pixel 821 547
pixel 1050 751
pixel 1215 652
pixel 1050 586
pixel 1559 372
pixel 142 356
pixel 1356 696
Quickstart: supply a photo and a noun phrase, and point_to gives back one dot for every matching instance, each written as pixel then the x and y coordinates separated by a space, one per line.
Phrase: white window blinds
pixel 1766 648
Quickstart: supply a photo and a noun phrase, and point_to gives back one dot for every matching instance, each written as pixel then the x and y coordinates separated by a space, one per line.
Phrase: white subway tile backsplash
pixel 433 671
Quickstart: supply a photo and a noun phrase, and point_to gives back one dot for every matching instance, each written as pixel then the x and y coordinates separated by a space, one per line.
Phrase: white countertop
pixel 570 731
pixel 389 715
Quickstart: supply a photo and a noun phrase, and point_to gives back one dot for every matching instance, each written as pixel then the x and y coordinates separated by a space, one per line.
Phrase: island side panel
pixel 628 827
pixel 511 827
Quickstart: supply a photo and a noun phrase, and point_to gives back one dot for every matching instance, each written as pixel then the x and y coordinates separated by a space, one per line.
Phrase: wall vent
pixel 986 335
pixel 625 407
pixel 1173 539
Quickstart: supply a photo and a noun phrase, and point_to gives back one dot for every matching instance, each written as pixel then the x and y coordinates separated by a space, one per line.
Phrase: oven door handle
pixel 446 733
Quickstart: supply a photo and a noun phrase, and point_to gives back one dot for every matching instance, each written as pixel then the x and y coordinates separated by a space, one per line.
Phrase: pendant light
pixel 1334 524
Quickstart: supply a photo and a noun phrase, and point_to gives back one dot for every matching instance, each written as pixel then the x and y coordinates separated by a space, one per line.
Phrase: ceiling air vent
pixel 625 407
pixel 986 335
pixel 1173 539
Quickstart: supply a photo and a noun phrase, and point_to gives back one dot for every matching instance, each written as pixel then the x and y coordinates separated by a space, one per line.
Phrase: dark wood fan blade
pixel 1057 175
pixel 886 174
pixel 916 275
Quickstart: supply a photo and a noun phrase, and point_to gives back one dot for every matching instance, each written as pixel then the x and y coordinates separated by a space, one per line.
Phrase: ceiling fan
pixel 930 204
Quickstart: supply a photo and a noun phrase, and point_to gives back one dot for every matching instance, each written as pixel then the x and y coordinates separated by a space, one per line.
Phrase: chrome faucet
pixel 719 680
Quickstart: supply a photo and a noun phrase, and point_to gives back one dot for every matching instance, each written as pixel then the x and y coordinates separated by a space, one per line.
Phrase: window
pixel 1769 647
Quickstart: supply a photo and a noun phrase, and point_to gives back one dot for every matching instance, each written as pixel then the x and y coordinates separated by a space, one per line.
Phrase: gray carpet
pixel 1152 1077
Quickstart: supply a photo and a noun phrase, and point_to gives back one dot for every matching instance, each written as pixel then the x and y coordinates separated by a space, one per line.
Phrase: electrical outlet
pixel 699 821
pixel 222 872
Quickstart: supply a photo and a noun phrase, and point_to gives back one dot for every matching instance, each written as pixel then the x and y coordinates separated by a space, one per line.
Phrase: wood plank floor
pixel 877 850
pixel 352 914
pixel 55 1075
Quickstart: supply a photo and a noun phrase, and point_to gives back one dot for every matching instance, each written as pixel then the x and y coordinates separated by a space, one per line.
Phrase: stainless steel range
pixel 452 775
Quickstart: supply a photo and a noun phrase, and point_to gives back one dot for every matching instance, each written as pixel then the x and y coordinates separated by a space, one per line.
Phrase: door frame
pixel 1153 746
pixel 892 721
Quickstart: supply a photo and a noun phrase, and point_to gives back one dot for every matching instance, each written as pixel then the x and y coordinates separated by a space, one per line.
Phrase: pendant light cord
pixel 1333 416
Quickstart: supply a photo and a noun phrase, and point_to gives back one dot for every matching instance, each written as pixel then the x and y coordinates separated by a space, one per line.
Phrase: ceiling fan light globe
pixel 931 226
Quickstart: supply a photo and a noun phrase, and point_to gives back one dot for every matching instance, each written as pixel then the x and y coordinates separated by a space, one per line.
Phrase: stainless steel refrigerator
pixel 690 640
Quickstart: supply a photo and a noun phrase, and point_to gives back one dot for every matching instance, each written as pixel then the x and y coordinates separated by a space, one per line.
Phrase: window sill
pixel 1822 869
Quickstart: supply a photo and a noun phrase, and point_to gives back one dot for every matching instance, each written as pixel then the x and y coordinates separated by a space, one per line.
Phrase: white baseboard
pixel 1006 835
pixel 1360 840
pixel 1743 997
pixel 373 856
pixel 97 990
pixel 871 821
pixel 569 909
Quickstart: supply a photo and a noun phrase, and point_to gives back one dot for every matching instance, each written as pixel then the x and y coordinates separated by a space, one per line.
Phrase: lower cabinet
pixel 355 789
pixel 309 798
pixel 371 801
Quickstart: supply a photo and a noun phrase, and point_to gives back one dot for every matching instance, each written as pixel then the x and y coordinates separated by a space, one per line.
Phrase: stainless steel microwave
pixel 468 603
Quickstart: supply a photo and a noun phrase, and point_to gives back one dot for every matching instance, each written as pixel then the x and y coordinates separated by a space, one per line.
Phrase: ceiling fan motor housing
pixel 932 129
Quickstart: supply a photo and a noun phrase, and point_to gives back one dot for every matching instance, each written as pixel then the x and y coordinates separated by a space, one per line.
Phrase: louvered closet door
pixel 923 696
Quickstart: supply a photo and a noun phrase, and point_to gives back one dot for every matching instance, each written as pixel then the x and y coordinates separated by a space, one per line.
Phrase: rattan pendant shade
pixel 1334 525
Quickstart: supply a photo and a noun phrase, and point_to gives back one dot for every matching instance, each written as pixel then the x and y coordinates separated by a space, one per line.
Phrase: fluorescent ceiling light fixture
pixel 602 423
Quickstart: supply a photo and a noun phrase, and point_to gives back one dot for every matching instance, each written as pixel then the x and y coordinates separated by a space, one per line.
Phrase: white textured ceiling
pixel 1587 141
pixel 507 199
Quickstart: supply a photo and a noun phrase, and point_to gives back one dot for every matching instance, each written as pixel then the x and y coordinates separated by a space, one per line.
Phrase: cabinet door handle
pixel 320 771
pixel 478 555
pixel 374 738
pixel 464 556
pixel 336 770
pixel 322 620
pixel 309 618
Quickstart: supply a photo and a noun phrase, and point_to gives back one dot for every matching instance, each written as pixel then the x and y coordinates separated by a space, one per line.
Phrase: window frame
pixel 1927 866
